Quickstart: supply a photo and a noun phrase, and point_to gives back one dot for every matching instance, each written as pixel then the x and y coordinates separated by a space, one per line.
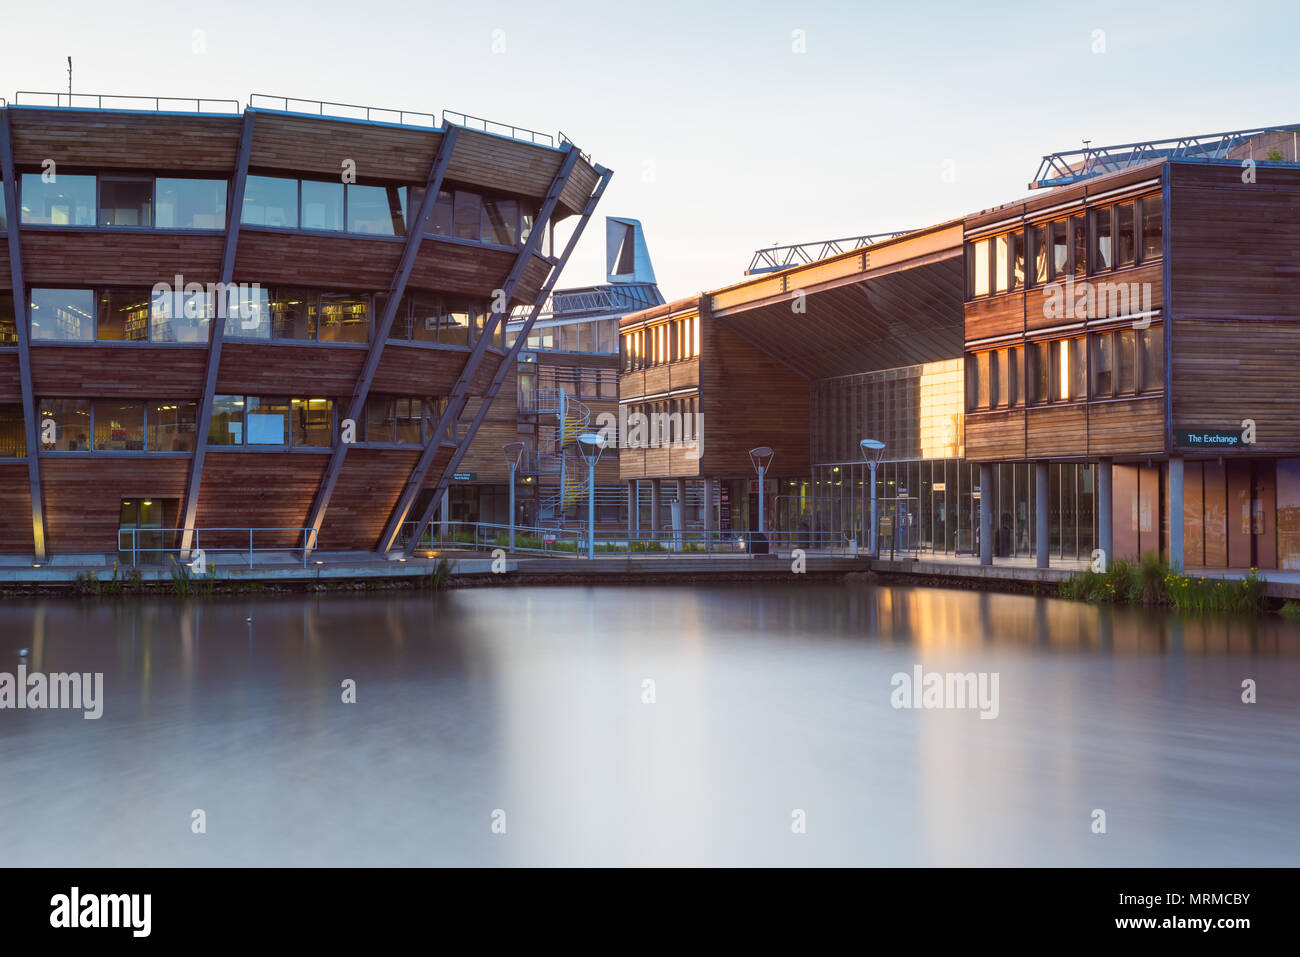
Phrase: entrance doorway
pixel 142 530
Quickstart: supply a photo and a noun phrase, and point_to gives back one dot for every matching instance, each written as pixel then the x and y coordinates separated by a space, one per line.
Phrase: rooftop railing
pixel 342 111
pixel 502 129
pixel 108 101
pixel 775 258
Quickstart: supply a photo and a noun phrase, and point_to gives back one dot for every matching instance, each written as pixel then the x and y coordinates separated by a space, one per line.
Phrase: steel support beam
pixel 22 322
pixel 397 288
pixel 459 395
pixel 238 182
pixel 399 515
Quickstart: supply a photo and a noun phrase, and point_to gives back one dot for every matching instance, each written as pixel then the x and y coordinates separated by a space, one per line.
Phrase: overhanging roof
pixel 894 304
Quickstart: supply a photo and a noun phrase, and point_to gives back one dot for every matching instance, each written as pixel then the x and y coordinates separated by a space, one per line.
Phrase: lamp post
pixel 513 452
pixel 761 458
pixel 873 450
pixel 591 444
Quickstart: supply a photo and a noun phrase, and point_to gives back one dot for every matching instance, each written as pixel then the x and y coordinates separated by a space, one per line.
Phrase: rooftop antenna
pixel 1085 143
pixel 69 81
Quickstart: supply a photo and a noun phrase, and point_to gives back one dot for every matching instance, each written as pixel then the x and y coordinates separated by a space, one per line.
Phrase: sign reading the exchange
pixel 1213 439
pixel 464 476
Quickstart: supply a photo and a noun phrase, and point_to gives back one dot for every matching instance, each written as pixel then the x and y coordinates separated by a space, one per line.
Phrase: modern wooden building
pixel 1144 325
pixel 217 319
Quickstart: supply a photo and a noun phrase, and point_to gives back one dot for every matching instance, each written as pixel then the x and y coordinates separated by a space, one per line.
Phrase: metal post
pixel 512 507
pixel 1105 505
pixel 761 473
pixel 1176 543
pixel 873 549
pixel 986 514
pixel 591 509
pixel 1042 500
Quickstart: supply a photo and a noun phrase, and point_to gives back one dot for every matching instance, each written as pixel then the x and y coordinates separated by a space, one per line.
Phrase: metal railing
pixel 775 258
pixel 140 541
pixel 558 542
pixel 492 126
pixel 342 111
pixel 565 141
pixel 98 101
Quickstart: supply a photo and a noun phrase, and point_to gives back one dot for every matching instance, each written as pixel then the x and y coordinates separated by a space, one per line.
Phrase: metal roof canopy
pixel 1071 166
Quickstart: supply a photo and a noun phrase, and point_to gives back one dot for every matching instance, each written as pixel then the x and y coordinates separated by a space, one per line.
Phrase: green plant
pixel 1274 156
pixel 1290 609
pixel 1150 583
pixel 182 579
pixel 439 574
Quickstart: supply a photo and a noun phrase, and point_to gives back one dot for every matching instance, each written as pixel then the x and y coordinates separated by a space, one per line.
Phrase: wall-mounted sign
pixel 464 476
pixel 1207 439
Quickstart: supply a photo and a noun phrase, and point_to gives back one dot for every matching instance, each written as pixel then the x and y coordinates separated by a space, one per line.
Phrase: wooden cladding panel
pixel 83 496
pixel 484 456
pixel 106 141
pixel 15 509
pixel 6 276
pixel 1056 430
pixel 657 380
pixel 260 490
pixel 631 463
pixel 71 257
pixel 1126 426
pixel 749 399
pixel 302 259
pixel 303 144
pixel 449 266
pixel 272 369
pixel 487 369
pixel 483 159
pixel 530 283
pixel 108 371
pixel 1233 245
pixel 367 490
pixel 11 389
pixel 1119 293
pixel 631 385
pixel 412 370
pixel 997 316
pixel 993 436
pixel 1225 371
pixel 580 186
pixel 670 377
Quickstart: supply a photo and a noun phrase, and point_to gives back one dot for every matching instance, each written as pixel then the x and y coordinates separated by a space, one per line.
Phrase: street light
pixel 873 450
pixel 513 452
pixel 591 444
pixel 761 457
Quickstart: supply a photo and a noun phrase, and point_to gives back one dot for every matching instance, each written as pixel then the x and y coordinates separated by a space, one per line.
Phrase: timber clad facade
pixel 195 309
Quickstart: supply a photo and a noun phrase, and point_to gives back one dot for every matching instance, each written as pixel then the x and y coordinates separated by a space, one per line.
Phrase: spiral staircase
pixel 557 452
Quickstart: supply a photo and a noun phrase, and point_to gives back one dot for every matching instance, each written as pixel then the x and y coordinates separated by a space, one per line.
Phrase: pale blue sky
pixel 722 138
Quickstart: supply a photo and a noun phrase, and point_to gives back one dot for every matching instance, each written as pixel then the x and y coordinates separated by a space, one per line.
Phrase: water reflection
pixel 532 701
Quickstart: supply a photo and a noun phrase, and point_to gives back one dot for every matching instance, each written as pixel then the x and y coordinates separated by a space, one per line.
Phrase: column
pixel 1176 513
pixel 1042 503
pixel 631 505
pixel 1105 522
pixel 709 523
pixel 654 505
pixel 986 514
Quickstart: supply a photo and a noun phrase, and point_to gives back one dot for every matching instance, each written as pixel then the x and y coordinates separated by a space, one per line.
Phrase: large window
pixel 447 321
pixel 125 201
pixel 290 312
pixel 63 315
pixel 500 222
pixel 271 421
pixel 467 215
pixel 8 320
pixel 123 315
pixel 322 205
pixel 271 201
pixel 13 431
pixel 118 425
pixel 171 424
pixel 400 419
pixel 1127 362
pixel 67 422
pixel 191 203
pixel 1103 251
pixel 376 210
pixel 69 200
pixel 1153 228
pixel 341 317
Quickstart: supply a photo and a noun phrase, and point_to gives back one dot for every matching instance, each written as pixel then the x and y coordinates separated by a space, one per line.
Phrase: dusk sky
pixel 723 138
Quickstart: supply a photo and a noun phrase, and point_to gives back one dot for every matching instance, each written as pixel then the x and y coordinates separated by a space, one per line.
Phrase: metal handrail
pixel 624 543
pixel 774 258
pixel 99 98
pixel 308 536
pixel 565 141
pixel 369 114
pixel 514 132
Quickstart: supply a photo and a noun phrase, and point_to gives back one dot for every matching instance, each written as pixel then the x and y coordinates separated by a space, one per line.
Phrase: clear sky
pixel 723 138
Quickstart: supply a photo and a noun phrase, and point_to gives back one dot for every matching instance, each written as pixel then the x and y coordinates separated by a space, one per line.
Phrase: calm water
pixel 767 700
